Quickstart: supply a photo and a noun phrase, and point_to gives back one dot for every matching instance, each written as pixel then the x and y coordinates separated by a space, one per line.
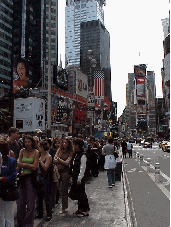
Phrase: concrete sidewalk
pixel 107 207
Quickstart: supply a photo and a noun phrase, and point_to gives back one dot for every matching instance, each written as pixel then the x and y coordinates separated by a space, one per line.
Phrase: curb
pixel 129 208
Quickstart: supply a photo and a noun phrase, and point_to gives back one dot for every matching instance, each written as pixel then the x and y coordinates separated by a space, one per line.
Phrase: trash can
pixel 118 171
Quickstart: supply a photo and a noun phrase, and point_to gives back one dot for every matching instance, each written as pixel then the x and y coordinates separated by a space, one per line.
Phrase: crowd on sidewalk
pixel 46 167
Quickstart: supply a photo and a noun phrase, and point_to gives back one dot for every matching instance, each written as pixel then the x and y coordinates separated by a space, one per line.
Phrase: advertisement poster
pixel 29 114
pixel 20 74
pixel 60 109
pixel 139 70
pixel 140 86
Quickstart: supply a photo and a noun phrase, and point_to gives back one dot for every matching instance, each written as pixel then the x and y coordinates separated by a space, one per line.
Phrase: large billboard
pixel 81 84
pixel 20 74
pixel 29 114
pixel 140 86
pixel 60 109
pixel 140 70
pixel 60 77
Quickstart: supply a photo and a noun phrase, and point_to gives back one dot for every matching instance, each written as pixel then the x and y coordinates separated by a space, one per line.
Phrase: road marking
pixel 160 185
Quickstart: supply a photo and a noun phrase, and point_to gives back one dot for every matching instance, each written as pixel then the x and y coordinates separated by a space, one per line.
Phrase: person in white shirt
pixel 129 149
pixel 78 172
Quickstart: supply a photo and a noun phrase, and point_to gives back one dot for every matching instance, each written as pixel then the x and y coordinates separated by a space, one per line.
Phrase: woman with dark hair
pixel 62 159
pixel 44 191
pixel 110 162
pixel 20 75
pixel 27 162
pixel 55 182
pixel 8 175
pixel 78 173
pixel 94 152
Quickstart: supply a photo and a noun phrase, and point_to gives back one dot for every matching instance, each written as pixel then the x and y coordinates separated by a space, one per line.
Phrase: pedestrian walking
pixel 124 148
pixel 101 157
pixel 8 175
pixel 44 189
pixel 110 162
pixel 129 149
pixel 78 174
pixel 93 155
pixel 27 162
pixel 62 159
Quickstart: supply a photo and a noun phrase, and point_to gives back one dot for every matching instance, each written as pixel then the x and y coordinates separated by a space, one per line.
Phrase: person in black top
pixel 13 144
pixel 44 191
pixel 124 148
pixel 93 151
pixel 78 174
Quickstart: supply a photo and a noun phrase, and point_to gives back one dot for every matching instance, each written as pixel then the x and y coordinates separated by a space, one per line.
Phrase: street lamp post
pixel 93 63
pixel 49 74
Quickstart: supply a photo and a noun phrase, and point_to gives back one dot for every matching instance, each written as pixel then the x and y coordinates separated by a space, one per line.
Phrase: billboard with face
pixel 139 70
pixel 20 75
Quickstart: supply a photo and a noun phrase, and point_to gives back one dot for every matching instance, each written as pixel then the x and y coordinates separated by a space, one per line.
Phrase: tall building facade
pixel 6 22
pixel 94 36
pixel 151 96
pixel 130 101
pixel 29 38
pixel 54 39
pixel 76 12
pixel 166 73
pixel 140 99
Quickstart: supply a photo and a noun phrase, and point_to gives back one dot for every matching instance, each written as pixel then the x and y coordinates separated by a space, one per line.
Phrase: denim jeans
pixel 111 176
pixel 44 193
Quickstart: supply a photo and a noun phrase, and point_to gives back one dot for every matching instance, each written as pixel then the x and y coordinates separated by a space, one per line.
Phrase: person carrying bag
pixel 110 161
pixel 8 191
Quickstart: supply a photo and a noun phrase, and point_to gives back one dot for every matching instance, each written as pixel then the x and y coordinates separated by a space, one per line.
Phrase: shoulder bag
pixel 9 192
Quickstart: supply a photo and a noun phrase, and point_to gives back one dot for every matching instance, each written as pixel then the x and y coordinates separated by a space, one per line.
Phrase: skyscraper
pixel 94 36
pixel 29 38
pixel 54 36
pixel 76 12
pixel 6 21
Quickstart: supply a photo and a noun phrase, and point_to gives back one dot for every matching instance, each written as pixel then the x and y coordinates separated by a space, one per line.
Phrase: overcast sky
pixel 136 37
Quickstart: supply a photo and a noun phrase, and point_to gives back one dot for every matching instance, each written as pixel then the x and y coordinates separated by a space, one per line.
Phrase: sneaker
pixel 48 218
pixel 39 216
pixel 113 184
pixel 110 186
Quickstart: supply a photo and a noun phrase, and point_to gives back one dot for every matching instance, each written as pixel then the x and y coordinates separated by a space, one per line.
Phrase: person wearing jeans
pixel 110 162
pixel 111 177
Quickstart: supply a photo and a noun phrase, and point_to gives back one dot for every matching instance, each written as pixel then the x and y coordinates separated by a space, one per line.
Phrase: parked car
pixel 166 147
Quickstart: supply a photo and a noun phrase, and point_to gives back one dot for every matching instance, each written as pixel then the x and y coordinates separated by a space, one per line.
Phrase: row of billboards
pixel 22 78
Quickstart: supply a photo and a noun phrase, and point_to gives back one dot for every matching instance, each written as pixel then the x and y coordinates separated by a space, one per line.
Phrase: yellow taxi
pixel 166 147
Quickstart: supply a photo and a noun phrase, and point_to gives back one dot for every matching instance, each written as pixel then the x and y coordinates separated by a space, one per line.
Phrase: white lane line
pixel 160 185
pixel 161 173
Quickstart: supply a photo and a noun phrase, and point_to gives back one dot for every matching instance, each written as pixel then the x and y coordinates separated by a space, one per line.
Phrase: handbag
pixel 116 154
pixel 9 192
pixel 74 192
pixel 110 162
pixel 56 174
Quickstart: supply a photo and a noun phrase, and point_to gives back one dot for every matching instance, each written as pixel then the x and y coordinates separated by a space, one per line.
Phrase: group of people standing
pixel 46 168
pixel 49 168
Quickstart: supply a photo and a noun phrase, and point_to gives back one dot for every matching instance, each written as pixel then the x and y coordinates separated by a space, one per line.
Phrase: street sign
pixel 90 100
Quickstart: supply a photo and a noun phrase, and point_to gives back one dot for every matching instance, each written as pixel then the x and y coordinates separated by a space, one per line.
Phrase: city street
pixel 149 201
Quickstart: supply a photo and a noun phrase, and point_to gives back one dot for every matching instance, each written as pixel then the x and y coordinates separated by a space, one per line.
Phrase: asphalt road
pixel 149 200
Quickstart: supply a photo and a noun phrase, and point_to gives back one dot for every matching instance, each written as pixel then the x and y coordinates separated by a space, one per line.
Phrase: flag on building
pixel 98 83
